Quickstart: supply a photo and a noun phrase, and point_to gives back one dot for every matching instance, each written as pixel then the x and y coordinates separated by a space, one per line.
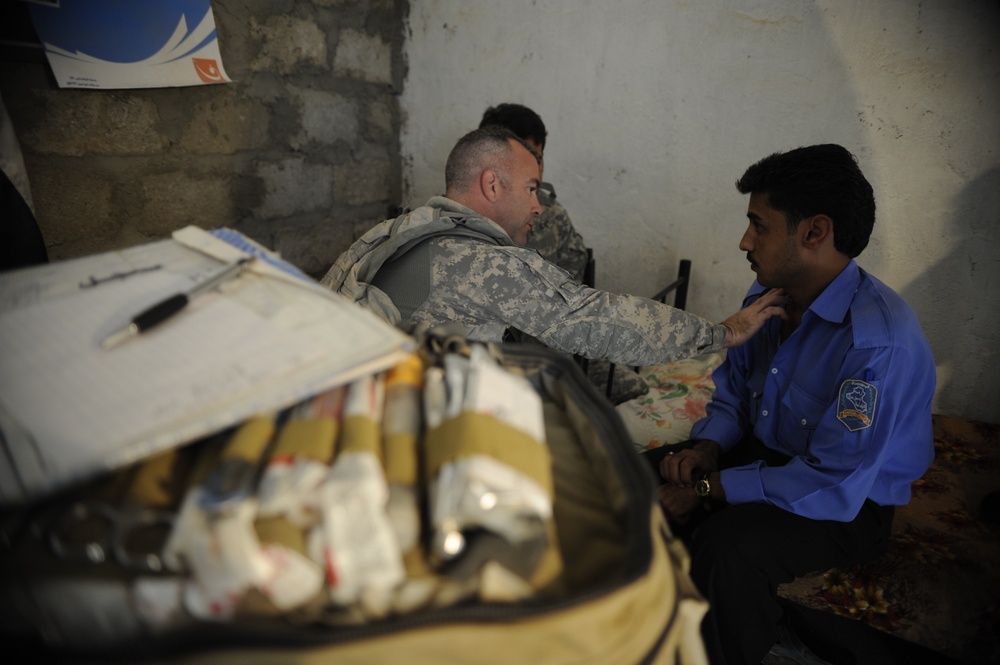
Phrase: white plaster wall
pixel 655 107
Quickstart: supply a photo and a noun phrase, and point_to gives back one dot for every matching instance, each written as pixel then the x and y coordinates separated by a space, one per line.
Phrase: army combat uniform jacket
pixel 462 268
pixel 554 236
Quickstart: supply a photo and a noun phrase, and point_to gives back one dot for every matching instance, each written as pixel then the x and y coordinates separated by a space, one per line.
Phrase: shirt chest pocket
pixel 755 386
pixel 800 415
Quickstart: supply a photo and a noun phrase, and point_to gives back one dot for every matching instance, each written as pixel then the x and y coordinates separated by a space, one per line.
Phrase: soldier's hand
pixel 742 325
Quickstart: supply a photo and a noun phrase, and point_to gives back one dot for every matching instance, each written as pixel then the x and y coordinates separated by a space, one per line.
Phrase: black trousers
pixel 741 553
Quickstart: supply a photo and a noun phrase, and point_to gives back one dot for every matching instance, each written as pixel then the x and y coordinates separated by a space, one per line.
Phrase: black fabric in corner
pixel 21 242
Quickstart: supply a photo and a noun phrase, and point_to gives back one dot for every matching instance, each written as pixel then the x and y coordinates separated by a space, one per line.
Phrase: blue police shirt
pixel 847 396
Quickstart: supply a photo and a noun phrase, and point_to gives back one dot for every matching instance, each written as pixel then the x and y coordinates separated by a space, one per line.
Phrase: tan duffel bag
pixel 580 569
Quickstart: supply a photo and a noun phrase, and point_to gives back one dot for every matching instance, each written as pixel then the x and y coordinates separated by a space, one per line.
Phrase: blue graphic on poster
pixel 129 44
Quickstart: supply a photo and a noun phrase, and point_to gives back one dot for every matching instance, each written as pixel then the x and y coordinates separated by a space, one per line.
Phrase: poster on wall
pixel 129 44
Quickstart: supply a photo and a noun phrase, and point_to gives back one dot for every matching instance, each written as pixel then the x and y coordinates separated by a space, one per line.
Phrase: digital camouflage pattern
pixel 480 279
pixel 351 274
pixel 554 236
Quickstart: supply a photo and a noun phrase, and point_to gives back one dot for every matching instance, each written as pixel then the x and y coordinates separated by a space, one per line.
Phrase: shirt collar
pixel 456 210
pixel 450 205
pixel 835 300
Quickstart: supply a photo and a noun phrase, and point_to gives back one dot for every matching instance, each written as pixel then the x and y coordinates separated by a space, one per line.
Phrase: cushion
pixel 678 393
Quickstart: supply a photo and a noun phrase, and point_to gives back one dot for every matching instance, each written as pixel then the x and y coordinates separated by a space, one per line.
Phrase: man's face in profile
pixel 771 249
pixel 541 157
pixel 518 206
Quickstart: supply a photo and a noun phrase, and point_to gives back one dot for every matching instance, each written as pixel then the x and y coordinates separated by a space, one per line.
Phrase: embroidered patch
pixel 856 404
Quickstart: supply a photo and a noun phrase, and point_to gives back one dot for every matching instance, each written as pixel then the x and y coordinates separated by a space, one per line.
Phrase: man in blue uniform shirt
pixel 819 424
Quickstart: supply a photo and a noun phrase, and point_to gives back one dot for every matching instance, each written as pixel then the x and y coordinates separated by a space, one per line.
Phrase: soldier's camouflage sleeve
pixel 554 237
pixel 488 288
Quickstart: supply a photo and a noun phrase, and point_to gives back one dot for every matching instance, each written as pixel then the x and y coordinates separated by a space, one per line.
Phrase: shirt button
pixel 774 370
pixel 764 413
pixel 803 422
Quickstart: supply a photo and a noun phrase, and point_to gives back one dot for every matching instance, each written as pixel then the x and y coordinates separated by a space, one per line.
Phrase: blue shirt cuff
pixel 742 484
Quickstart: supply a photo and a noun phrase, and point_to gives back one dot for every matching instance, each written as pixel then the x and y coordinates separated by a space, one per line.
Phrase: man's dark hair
pixel 819 179
pixel 484 148
pixel 521 120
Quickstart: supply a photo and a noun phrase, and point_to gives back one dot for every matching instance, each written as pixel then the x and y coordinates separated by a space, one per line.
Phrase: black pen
pixel 165 309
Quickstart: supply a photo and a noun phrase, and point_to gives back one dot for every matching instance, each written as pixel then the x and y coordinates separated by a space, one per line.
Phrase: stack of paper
pixel 71 410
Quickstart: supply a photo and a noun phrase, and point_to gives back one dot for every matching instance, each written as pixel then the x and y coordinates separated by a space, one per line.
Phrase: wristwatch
pixel 702 487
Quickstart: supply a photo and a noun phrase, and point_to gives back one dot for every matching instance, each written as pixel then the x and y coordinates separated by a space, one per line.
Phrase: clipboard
pixel 70 410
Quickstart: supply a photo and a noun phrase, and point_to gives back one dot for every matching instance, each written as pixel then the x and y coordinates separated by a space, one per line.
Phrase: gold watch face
pixel 702 488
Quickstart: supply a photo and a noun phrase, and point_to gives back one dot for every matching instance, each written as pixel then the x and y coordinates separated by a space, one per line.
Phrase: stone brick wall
pixel 300 151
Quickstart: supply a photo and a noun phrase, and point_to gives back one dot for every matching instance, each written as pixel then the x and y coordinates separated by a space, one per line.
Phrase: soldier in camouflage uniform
pixel 553 234
pixel 554 237
pixel 461 259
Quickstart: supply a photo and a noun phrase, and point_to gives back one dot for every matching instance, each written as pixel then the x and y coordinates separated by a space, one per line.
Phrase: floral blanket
pixel 678 393
pixel 939 584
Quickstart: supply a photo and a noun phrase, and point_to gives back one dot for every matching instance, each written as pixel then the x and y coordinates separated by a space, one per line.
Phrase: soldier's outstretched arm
pixel 742 325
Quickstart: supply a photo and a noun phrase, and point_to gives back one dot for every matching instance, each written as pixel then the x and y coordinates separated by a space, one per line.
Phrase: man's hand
pixel 742 325
pixel 682 469
pixel 678 502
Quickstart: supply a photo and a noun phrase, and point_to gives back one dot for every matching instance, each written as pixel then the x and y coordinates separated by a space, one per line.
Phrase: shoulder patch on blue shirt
pixel 856 404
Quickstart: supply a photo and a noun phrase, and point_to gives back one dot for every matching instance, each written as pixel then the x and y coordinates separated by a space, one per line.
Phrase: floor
pixel 791 651
pixel 774 658
pixel 838 641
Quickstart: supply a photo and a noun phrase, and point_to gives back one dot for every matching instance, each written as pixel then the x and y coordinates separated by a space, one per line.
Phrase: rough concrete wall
pixel 300 151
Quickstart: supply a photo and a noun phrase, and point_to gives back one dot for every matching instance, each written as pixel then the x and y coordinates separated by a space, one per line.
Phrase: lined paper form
pixel 82 401
pixel 70 410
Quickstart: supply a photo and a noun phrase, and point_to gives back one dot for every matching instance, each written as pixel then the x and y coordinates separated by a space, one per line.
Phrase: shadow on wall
pixel 968 360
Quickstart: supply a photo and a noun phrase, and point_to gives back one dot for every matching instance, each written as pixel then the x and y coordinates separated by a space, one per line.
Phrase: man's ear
pixel 489 183
pixel 817 230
